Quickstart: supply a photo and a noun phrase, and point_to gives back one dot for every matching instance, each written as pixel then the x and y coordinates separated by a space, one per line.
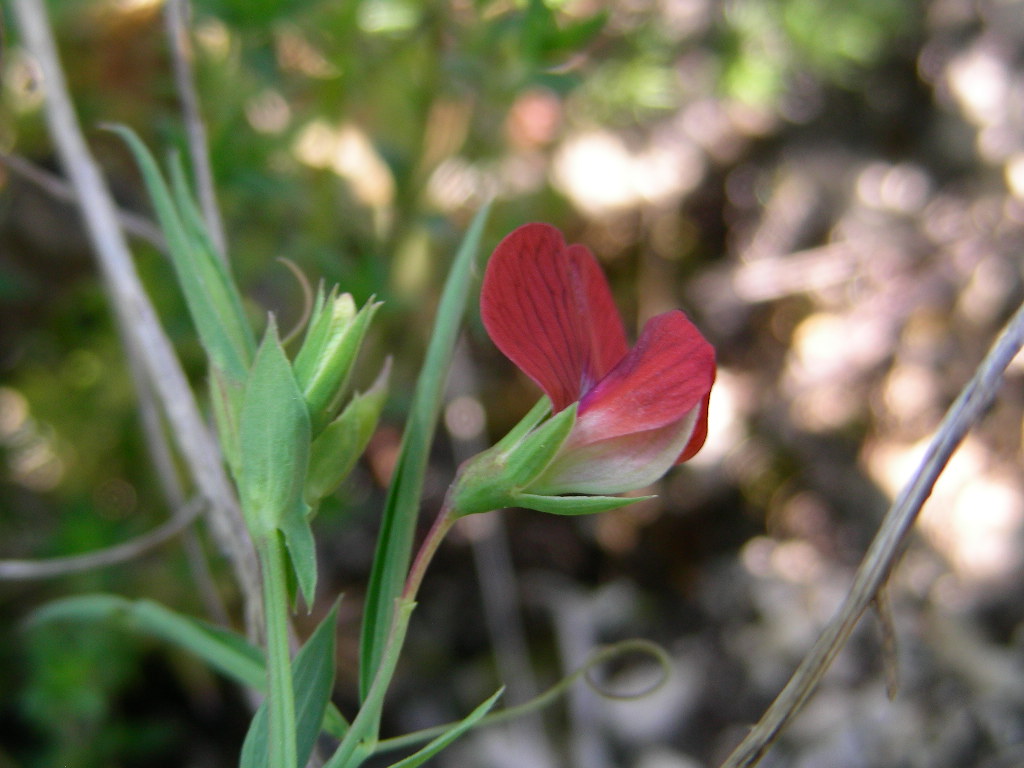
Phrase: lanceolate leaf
pixel 394 545
pixel 227 652
pixel 217 282
pixel 442 741
pixel 298 538
pixel 274 440
pixel 209 292
pixel 361 738
pixel 313 670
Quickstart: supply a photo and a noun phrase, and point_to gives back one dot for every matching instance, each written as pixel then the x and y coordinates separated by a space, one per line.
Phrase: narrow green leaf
pixel 218 283
pixel 314 683
pixel 256 747
pixel 362 734
pixel 212 316
pixel 298 538
pixel 394 544
pixel 574 505
pixel 273 440
pixel 442 741
pixel 227 652
pixel 313 673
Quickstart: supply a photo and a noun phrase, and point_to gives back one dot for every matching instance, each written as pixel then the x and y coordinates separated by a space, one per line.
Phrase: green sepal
pixel 274 437
pixel 436 745
pixel 532 455
pixel 574 505
pixel 493 479
pixel 324 363
pixel 335 451
pixel 528 422
pixel 313 672
pixel 209 291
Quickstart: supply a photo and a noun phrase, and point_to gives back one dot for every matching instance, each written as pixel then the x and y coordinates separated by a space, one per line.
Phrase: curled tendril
pixel 307 298
pixel 618 651
pixel 598 658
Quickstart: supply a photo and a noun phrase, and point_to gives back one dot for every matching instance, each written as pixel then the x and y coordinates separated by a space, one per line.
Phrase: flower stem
pixel 428 548
pixel 281 699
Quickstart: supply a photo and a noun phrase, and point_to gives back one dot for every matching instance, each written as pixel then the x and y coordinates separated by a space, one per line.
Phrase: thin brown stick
pixel 176 13
pixel 162 456
pixel 135 312
pixel 57 188
pixel 887 545
pixel 48 568
pixel 159 450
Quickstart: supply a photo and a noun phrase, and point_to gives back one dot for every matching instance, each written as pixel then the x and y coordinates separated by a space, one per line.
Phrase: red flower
pixel 548 307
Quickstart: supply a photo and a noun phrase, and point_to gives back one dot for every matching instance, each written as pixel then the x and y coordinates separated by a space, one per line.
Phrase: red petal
pixel 619 464
pixel 700 433
pixel 548 307
pixel 665 376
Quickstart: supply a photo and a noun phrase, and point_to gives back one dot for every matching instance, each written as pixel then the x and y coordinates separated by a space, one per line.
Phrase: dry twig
pixel 59 189
pixel 134 311
pixel 15 570
pixel 176 17
pixel 887 545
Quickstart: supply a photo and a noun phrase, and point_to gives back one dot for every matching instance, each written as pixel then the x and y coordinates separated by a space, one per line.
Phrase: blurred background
pixel 832 189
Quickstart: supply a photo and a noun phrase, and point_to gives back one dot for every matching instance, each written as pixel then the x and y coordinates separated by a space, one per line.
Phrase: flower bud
pixel 324 363
pixel 342 442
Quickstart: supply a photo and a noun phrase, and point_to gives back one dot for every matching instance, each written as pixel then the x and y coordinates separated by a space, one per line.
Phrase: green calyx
pixel 498 477
pixel 335 451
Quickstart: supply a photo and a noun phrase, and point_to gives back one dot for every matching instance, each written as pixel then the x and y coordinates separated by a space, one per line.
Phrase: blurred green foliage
pixel 767 43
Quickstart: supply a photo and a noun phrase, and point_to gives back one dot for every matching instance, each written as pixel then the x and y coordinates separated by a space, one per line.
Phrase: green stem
pixel 445 520
pixel 361 739
pixel 548 697
pixel 281 697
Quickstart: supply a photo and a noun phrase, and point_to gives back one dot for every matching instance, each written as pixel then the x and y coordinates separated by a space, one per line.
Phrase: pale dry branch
pixel 57 188
pixel 176 13
pixel 162 456
pixel 48 568
pixel 135 312
pixel 887 546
